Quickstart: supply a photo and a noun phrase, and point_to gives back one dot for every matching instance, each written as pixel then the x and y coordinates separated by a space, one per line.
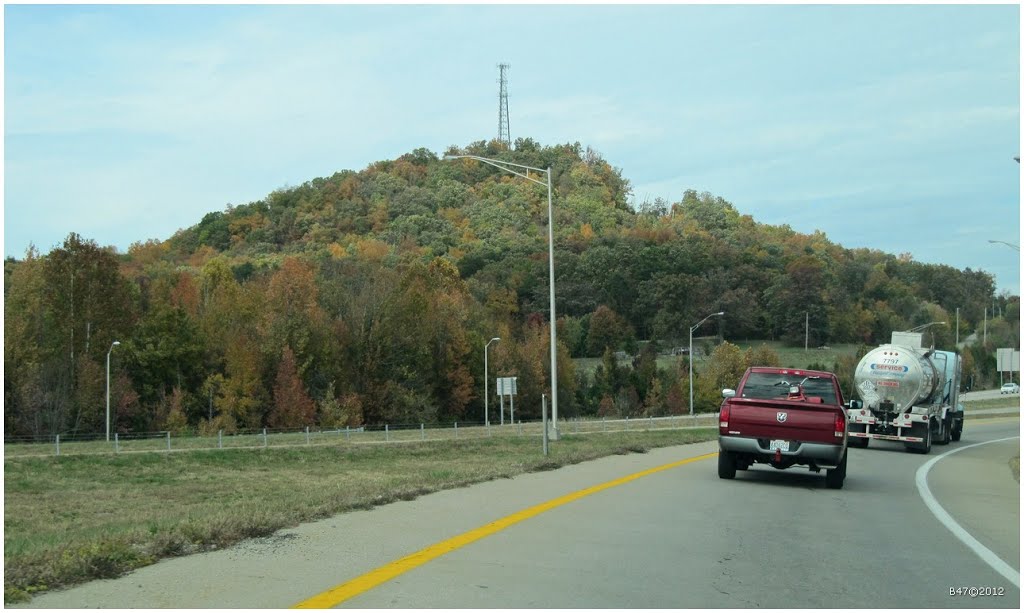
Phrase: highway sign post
pixel 507 385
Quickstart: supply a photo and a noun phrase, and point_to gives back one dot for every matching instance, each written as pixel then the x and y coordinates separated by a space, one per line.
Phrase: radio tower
pixel 503 132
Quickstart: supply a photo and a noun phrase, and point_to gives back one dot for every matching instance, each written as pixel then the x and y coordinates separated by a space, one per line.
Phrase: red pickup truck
pixel 782 417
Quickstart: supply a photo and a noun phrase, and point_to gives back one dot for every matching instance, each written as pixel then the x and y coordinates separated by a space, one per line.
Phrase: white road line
pixel 983 552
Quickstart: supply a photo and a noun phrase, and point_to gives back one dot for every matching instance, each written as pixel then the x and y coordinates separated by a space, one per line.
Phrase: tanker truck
pixel 910 394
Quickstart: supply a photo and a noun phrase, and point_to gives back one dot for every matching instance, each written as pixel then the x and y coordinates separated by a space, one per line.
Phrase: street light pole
pixel 521 170
pixel 692 328
pixel 923 326
pixel 112 345
pixel 487 415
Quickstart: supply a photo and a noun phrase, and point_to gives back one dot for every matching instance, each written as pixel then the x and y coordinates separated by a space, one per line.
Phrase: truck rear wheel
pixel 958 428
pixel 945 436
pixel 834 478
pixel 925 432
pixel 726 464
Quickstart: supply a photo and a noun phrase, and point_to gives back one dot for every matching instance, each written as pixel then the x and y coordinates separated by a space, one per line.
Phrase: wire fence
pixel 167 442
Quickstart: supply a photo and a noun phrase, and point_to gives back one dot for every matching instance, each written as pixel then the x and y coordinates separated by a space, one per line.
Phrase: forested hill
pixel 368 297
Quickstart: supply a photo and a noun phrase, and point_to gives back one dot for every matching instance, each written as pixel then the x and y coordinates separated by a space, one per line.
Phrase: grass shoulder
pixel 72 519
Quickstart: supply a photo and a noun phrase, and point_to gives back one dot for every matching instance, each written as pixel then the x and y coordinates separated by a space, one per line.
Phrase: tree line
pixel 367 297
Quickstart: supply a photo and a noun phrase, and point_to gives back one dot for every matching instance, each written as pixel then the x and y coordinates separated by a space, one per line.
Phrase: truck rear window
pixel 766 386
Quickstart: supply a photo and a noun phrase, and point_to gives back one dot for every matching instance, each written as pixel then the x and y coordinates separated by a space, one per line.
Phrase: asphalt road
pixel 678 538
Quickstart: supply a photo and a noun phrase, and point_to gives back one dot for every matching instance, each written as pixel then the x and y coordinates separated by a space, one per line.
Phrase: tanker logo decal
pixel 889 368
pixel 781 416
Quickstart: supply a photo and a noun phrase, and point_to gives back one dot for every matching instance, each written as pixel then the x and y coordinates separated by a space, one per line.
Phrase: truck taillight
pixel 723 416
pixel 840 425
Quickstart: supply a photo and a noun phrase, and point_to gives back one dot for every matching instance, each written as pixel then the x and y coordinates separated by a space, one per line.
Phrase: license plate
pixel 780 445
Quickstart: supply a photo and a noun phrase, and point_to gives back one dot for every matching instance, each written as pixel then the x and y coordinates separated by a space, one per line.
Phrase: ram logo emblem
pixel 781 416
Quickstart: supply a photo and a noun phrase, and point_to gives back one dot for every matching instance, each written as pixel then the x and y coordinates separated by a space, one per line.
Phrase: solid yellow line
pixel 340 593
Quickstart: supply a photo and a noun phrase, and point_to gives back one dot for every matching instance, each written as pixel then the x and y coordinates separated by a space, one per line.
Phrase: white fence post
pixel 456 429
pixel 387 436
pixel 544 422
pixel 220 440
pixel 423 433
pixel 58 444
pixel 264 438
pixel 307 435
pixel 168 440
pixel 346 433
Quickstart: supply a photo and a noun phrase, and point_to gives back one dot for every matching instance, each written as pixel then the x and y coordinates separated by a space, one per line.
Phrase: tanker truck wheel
pixel 945 436
pixel 925 432
pixel 854 441
pixel 958 428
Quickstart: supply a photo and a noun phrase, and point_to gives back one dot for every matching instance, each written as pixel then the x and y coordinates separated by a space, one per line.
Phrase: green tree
pixel 723 369
pixel 762 355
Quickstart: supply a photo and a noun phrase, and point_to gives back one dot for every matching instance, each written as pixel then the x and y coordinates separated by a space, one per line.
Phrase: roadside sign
pixel 507 386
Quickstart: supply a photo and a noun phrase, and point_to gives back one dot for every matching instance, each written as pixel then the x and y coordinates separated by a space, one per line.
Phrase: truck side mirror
pixel 854 405
pixel 728 393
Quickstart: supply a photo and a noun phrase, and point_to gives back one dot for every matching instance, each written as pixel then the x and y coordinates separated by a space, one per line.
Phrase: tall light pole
pixel 487 415
pixel 112 345
pixel 523 171
pixel 692 328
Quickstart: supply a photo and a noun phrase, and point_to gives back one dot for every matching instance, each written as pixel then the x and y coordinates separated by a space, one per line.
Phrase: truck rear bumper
pixel 823 455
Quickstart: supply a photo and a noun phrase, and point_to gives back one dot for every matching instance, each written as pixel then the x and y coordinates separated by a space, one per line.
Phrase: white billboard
pixel 1007 360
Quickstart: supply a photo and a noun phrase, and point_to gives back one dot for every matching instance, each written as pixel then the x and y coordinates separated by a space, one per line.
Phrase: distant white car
pixel 1009 388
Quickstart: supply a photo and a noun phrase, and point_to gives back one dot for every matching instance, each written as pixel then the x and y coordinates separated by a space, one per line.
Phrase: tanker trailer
pixel 910 394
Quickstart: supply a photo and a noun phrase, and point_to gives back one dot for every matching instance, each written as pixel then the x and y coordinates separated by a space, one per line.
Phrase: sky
pixel 887 127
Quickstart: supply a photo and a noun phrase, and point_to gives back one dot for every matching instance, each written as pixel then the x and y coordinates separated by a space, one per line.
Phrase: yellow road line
pixel 340 593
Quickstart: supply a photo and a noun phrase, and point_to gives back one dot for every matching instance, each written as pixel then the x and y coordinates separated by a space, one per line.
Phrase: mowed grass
pixel 70 519
pixel 990 403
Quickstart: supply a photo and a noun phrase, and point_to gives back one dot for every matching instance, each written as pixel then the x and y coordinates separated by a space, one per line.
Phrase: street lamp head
pixel 496 338
pixel 115 343
pixel 720 313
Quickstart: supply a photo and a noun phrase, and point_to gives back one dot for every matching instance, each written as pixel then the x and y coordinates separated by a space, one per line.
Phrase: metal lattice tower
pixel 503 131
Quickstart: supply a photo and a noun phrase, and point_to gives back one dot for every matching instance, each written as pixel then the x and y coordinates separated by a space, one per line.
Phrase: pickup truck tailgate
pixel 779 419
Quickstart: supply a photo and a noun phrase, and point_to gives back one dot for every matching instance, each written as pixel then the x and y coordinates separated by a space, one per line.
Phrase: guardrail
pixel 166 442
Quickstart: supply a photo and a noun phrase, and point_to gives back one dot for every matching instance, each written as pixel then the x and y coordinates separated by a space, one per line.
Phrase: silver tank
pixel 901 375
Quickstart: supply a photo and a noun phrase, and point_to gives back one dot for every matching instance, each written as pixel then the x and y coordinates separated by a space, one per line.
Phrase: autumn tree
pixel 293 408
pixel 608 329
pixel 292 316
